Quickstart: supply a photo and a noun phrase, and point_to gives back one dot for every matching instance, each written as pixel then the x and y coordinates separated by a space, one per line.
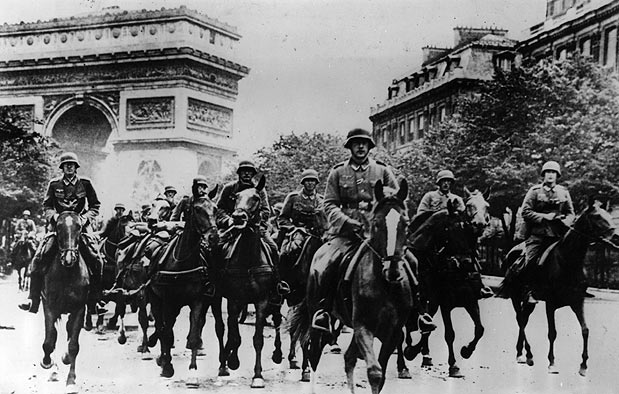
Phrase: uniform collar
pixel 71 181
pixel 359 167
pixel 307 196
pixel 548 188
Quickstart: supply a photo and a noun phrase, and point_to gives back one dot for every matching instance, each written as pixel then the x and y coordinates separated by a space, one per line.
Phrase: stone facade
pixel 427 95
pixel 146 98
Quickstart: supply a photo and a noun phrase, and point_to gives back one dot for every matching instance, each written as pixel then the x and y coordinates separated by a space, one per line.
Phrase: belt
pixel 363 205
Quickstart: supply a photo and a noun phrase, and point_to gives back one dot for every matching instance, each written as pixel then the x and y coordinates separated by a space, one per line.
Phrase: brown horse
pixel 21 256
pixel 449 278
pixel 247 277
pixel 178 278
pixel 563 281
pixel 378 300
pixel 65 291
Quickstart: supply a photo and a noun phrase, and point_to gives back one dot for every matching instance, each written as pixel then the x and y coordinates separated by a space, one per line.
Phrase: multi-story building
pixel 427 95
pixel 584 27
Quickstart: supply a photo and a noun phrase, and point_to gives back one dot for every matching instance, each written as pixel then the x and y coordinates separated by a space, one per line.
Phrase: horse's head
pixel 160 211
pixel 458 234
pixel 68 233
pixel 248 202
pixel 477 210
pixel 388 231
pixel 597 224
pixel 202 219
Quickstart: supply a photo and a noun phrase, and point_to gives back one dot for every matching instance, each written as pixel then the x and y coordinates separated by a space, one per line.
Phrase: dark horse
pixel 378 299
pixel 294 269
pixel 21 256
pixel 448 277
pixel 178 279
pixel 563 281
pixel 247 277
pixel 65 291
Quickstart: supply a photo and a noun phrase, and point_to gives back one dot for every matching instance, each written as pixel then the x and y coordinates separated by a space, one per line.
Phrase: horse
pixel 21 256
pixel 378 298
pixel 294 267
pixel 247 276
pixel 563 280
pixel 65 291
pixel 178 277
pixel 448 276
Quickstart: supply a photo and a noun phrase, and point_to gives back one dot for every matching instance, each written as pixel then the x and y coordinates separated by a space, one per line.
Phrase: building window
pixel 610 47
pixel 421 121
pixel 402 132
pixel 562 54
pixel 442 113
pixel 383 136
pixel 585 47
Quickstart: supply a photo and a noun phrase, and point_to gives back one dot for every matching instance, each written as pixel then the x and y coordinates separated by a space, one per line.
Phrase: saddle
pixel 230 247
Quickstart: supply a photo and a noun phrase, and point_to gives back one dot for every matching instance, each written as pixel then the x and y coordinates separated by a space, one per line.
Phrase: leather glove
pixel 353 226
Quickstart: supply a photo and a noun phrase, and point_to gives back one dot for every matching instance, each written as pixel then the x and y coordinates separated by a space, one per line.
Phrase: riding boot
pixel 34 298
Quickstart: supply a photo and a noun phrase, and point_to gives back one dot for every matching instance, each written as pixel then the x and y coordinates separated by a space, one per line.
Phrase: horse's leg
pixel 450 336
pixel 121 308
pixel 170 312
pixel 74 325
pixel 197 318
pixel 523 311
pixel 220 329
pixel 579 310
pixel 426 360
pixel 552 335
pixel 386 350
pixel 292 354
pixel 51 335
pixel 365 340
pixel 473 311
pixel 403 372
pixel 143 320
pixel 277 322
pixel 350 360
pixel 305 365
pixel 156 307
pixel 234 337
pixel 261 309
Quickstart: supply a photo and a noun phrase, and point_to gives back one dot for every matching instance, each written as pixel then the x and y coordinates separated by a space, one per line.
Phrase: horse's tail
pixel 299 323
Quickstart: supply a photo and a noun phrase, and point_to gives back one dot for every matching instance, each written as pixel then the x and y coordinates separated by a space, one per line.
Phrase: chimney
pixel 464 35
pixel 431 53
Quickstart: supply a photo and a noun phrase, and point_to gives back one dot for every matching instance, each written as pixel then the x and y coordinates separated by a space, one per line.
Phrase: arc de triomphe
pixel 145 98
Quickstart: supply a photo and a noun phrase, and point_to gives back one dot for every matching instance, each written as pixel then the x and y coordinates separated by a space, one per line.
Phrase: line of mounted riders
pixel 351 257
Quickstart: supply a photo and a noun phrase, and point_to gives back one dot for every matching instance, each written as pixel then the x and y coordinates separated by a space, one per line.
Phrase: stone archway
pixel 85 130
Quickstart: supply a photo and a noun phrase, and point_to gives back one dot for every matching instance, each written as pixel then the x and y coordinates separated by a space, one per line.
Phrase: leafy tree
pixel 25 165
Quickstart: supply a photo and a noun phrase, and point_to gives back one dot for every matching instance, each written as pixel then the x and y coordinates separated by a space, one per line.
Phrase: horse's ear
pixel 130 214
pixel 378 190
pixel 467 192
pixel 487 193
pixel 261 182
pixel 403 191
pixel 213 193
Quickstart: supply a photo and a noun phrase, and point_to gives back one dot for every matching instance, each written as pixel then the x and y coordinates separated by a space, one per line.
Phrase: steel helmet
pixel 359 134
pixel 26 212
pixel 445 174
pixel 551 166
pixel 169 189
pixel 200 180
pixel 69 157
pixel 247 165
pixel 119 205
pixel 309 174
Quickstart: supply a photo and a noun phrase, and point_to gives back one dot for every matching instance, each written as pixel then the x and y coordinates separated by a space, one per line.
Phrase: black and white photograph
pixel 310 196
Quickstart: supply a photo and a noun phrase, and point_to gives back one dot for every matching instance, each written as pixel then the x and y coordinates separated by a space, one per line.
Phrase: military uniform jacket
pixel 541 199
pixel 300 209
pixel 77 195
pixel 436 200
pixel 227 201
pixel 181 210
pixel 350 192
pixel 25 225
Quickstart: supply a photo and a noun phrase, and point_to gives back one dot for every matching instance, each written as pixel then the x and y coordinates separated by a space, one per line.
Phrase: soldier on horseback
pixel 348 206
pixel 225 207
pixel 436 200
pixel 67 193
pixel 169 192
pixel 25 226
pixel 119 210
pixel 547 211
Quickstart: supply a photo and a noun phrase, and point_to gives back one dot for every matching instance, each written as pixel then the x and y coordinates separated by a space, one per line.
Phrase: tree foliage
pixel 25 159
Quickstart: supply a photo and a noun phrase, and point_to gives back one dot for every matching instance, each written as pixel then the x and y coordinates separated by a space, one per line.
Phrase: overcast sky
pixel 317 65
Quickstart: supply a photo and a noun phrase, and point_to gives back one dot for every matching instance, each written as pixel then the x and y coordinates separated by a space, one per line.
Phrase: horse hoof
pixel 466 352
pixel 167 371
pixel 223 371
pixel 582 371
pixel 257 383
pixel 410 352
pixel 530 361
pixel 294 364
pixel 233 362
pixel 111 326
pixel 277 357
pixel 427 361
pixel 88 325
pixel 122 339
pixel 45 365
pixel 521 359
pixel 192 381
pixel 454 372
pixel 53 377
pixel 66 360
pixel 305 376
pixel 158 361
pixel 142 348
pixel 71 389
pixel 404 374
pixel 552 369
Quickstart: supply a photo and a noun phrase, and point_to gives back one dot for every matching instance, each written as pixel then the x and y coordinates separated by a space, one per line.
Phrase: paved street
pixel 104 366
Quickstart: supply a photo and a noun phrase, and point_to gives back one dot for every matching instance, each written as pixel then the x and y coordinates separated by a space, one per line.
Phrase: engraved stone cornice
pixel 150 112
pixel 203 115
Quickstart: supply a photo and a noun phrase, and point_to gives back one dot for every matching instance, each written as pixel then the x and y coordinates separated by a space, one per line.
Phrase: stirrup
pixel 322 314
pixel 425 323
pixel 209 289
pixel 283 288
pixel 486 292
pixel 530 299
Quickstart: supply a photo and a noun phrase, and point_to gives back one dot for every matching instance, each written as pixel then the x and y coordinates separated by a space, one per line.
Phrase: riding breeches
pixel 535 245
